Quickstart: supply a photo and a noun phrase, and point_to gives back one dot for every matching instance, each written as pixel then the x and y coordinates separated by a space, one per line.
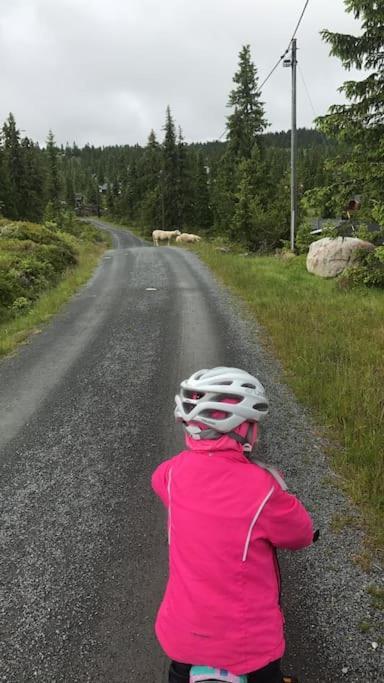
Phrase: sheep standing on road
pixel 188 237
pixel 162 235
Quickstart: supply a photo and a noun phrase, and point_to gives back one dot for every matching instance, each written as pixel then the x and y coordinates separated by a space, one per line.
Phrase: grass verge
pixel 19 329
pixel 330 343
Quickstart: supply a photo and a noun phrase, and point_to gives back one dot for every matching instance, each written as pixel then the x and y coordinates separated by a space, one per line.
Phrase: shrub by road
pixel 40 267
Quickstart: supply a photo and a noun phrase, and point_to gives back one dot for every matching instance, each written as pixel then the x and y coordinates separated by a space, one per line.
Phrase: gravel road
pixel 85 416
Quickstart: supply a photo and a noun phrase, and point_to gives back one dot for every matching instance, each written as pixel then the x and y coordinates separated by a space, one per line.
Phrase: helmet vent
pixel 261 406
pixel 215 414
pixel 227 398
pixel 194 395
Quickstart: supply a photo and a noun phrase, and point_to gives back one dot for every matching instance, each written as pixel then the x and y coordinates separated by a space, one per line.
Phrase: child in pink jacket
pixel 226 516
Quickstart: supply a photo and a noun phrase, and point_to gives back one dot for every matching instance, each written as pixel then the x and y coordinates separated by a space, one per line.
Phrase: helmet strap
pixel 202 434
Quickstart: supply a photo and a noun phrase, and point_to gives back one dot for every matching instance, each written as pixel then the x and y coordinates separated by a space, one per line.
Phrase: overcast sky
pixel 103 71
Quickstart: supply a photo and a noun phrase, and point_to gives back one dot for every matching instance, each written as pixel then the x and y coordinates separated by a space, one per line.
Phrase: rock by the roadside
pixel 329 256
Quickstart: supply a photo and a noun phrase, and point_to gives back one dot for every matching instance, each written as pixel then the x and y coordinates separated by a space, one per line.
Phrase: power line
pixel 280 58
pixel 300 20
pixel 275 67
pixel 289 46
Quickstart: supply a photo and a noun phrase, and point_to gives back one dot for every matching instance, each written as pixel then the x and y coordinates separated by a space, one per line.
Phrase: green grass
pixel 19 329
pixel 331 345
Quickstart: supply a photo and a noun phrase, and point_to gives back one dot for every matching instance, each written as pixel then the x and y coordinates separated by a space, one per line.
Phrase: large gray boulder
pixel 329 256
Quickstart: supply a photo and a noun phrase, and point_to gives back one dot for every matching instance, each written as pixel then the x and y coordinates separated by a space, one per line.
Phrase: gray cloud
pixel 103 71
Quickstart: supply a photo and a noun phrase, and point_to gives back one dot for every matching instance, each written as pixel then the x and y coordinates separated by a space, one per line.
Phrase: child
pixel 226 516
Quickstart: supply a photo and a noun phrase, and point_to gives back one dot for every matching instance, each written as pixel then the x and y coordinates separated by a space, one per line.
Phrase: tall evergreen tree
pixel 170 174
pixel 33 181
pixel 69 190
pixel 53 173
pixel 150 163
pixel 149 166
pixel 247 120
pixel 223 193
pixel 359 124
pixel 236 180
pixel 14 170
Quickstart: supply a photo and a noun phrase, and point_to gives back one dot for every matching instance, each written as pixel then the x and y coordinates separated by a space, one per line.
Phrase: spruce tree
pixel 149 167
pixel 223 193
pixel 53 173
pixel 247 121
pixel 150 163
pixel 69 190
pixel 359 124
pixel 33 181
pixel 14 170
pixel 234 181
pixel 170 174
pixel 4 183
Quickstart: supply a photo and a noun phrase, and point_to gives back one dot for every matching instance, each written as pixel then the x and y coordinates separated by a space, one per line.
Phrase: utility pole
pixel 294 147
pixel 292 62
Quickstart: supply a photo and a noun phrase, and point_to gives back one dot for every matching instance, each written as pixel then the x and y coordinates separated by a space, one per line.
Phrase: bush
pixel 21 230
pixel 31 259
pixel 368 270
pixel 364 234
pixel 20 305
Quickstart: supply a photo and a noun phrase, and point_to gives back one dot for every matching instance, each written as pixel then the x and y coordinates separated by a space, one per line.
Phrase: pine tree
pixel 4 184
pixel 14 170
pixel 359 124
pixel 53 174
pixel 110 200
pixel 150 163
pixel 247 120
pixel 243 226
pixel 69 190
pixel 232 183
pixel 170 174
pixel 33 181
pixel 149 168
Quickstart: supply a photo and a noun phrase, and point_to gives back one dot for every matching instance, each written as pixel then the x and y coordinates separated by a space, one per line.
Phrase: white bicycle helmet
pixel 204 398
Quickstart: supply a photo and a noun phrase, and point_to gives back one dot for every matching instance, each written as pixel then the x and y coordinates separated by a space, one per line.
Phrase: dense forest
pixel 238 188
pixel 164 184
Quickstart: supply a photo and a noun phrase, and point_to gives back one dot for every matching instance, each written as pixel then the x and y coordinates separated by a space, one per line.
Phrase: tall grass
pixel 331 344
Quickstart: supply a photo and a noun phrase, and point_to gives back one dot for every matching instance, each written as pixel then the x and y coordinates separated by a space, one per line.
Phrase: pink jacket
pixel 225 518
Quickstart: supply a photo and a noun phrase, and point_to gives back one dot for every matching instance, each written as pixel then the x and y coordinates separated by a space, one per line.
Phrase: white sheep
pixel 188 237
pixel 161 235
